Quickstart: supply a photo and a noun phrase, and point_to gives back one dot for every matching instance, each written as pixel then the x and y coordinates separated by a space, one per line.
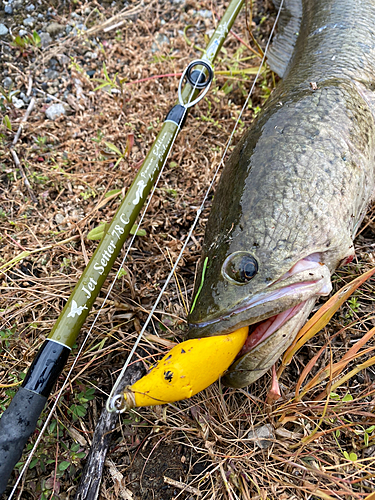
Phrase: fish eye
pixel 240 267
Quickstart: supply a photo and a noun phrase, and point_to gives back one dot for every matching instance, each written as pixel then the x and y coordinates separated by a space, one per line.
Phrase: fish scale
pixel 299 181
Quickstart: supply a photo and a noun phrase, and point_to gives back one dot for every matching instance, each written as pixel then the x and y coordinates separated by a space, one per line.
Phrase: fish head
pixel 267 256
pixel 237 288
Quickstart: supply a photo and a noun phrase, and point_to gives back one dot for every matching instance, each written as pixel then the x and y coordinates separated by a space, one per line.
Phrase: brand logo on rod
pixel 75 310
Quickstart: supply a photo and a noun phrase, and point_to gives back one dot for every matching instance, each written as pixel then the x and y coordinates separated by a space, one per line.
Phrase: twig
pixel 14 154
pixel 23 121
pixel 25 179
pixel 118 479
pixel 107 25
pixel 88 488
pixel 30 86
pixel 246 44
pixel 182 486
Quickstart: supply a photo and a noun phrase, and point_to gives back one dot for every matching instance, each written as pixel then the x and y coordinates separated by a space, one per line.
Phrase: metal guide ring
pixel 113 406
pixel 207 80
pixel 205 85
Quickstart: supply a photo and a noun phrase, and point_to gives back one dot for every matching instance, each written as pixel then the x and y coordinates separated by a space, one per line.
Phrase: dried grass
pixel 69 174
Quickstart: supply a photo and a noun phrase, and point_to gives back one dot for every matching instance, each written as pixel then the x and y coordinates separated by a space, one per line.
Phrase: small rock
pixel 63 59
pixel 91 72
pixel 262 436
pixel 160 40
pixel 59 219
pixel 54 111
pixel 25 98
pixel 40 16
pixel 7 82
pixel 45 39
pixel 68 29
pixel 29 22
pixel 17 4
pixel 30 7
pixel 3 30
pixel 207 14
pixel 22 33
pixel 51 75
pixel 17 103
pixel 77 29
pixel 91 55
pixel 52 63
pixel 8 9
pixel 55 28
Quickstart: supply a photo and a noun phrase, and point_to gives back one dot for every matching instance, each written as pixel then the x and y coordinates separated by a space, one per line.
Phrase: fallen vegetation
pixel 62 178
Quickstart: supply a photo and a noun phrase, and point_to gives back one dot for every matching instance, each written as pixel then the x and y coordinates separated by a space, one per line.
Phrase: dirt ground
pixel 204 448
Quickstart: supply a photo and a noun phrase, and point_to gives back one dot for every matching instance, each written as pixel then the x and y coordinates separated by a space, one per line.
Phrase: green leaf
pixel 81 454
pixel 370 429
pixel 101 86
pixel 63 465
pixel 52 426
pixel 113 148
pixel 352 456
pixel 347 397
pixel 227 87
pixel 7 123
pixel 80 411
pixel 112 192
pixel 19 41
pixel 33 463
pixel 121 273
pixel 138 232
pixel 36 38
pixel 105 71
pixel 98 232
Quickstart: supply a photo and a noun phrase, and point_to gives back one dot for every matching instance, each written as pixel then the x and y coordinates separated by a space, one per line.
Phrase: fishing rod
pixel 20 418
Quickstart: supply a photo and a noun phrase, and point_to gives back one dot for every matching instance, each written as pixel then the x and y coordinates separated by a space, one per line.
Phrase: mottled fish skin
pixel 301 178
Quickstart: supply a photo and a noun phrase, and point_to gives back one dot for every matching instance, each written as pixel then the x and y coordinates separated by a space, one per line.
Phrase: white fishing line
pixel 198 213
pixel 103 304
pixel 110 405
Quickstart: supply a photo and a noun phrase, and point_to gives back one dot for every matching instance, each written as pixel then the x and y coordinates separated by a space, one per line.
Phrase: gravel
pixel 7 82
pixel 55 111
pixel 3 30
pixel 54 86
pixel 29 22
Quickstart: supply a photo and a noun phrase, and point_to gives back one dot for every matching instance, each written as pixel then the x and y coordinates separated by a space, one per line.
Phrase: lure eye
pixel 240 268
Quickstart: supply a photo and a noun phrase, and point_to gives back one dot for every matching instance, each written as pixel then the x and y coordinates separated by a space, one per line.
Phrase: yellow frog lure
pixel 185 370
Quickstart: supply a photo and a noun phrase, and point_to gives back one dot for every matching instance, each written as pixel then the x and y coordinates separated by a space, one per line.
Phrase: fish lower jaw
pixel 266 343
pixel 259 332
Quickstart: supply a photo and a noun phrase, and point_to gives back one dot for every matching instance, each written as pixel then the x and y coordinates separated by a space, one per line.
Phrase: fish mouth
pixel 274 318
pixel 266 343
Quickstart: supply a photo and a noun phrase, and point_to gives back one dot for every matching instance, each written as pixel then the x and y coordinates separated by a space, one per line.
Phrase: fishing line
pixel 113 399
pixel 186 106
pixel 111 403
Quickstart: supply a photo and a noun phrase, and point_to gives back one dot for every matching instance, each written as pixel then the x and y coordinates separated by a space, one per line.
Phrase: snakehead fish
pixel 296 188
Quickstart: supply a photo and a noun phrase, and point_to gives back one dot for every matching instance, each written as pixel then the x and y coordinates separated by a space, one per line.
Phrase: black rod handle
pixel 16 425
pixel 19 420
